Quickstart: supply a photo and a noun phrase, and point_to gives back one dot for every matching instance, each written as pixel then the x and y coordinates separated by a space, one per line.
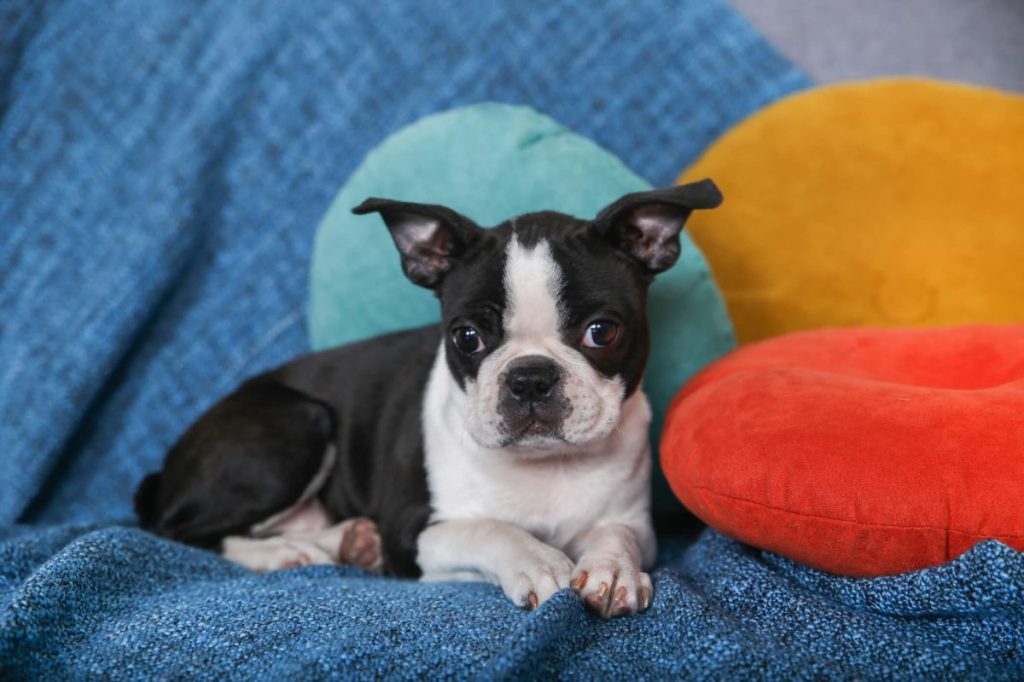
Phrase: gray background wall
pixel 975 41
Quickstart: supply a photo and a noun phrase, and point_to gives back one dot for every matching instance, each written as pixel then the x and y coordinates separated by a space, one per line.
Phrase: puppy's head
pixel 544 316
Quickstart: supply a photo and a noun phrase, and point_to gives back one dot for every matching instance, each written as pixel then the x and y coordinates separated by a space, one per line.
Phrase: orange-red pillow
pixel 862 452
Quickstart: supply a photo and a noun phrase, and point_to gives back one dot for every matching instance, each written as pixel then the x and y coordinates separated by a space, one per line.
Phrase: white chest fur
pixel 554 498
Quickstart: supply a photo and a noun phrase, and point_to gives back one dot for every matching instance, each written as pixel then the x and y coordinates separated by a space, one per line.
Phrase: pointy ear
pixel 430 238
pixel 646 225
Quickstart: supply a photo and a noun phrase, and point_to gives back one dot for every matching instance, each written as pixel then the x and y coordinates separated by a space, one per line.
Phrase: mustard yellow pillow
pixel 891 202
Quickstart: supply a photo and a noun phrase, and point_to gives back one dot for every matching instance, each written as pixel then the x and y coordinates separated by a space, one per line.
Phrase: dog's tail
pixel 147 501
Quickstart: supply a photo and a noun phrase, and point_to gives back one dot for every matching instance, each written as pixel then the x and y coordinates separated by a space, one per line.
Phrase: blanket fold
pixel 114 601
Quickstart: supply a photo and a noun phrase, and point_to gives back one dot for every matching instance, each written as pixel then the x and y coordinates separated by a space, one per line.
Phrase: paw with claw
pixel 539 575
pixel 612 587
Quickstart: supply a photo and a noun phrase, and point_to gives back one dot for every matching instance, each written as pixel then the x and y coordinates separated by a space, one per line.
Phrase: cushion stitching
pixel 857 523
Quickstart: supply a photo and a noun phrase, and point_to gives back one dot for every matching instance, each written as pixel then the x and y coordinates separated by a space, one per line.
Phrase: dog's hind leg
pixel 305 536
pixel 255 458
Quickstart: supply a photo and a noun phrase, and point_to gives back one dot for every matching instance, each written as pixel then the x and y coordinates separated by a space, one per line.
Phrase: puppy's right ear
pixel 429 238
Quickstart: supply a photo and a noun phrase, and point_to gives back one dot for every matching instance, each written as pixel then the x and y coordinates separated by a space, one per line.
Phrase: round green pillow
pixel 491 162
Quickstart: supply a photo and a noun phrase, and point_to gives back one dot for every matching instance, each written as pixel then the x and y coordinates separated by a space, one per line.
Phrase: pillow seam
pixel 821 517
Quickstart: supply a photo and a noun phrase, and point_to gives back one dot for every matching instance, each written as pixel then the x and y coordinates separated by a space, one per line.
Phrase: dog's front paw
pixel 538 575
pixel 612 586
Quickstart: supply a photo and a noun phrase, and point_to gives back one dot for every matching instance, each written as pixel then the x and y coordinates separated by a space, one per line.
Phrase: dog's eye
pixel 467 340
pixel 600 334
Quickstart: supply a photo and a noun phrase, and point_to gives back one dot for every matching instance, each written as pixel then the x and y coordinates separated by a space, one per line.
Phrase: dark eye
pixel 467 340
pixel 600 334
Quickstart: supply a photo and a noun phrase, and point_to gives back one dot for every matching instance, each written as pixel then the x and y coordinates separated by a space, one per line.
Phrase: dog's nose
pixel 532 378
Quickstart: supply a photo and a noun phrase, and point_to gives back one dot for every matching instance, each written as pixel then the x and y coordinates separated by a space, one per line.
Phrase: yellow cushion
pixel 891 202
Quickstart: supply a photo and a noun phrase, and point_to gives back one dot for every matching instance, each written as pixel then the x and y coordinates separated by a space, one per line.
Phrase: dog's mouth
pixel 536 428
pixel 533 431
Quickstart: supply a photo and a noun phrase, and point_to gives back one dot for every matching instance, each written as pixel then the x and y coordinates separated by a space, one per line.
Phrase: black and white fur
pixel 508 443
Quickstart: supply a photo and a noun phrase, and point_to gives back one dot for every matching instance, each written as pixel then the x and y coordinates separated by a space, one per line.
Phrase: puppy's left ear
pixel 646 225
pixel 430 238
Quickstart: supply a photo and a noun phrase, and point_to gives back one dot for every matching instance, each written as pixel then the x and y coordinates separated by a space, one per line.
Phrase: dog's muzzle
pixel 532 402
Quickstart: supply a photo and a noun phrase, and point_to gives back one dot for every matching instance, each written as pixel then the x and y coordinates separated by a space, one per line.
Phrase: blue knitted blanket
pixel 163 166
pixel 118 603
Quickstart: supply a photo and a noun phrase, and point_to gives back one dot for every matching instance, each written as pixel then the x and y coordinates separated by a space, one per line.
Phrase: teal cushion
pixel 491 162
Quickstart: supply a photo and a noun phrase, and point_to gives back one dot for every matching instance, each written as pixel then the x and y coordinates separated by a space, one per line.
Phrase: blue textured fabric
pixel 117 603
pixel 163 167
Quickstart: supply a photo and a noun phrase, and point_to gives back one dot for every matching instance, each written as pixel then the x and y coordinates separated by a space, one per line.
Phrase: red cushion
pixel 858 451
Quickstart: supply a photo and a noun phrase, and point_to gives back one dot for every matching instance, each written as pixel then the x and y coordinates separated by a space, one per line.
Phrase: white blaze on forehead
pixel 533 325
pixel 533 281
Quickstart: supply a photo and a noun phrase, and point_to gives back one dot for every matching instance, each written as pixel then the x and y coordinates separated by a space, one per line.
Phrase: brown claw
pixel 580 582
pixel 645 598
pixel 619 605
pixel 532 599
pixel 598 601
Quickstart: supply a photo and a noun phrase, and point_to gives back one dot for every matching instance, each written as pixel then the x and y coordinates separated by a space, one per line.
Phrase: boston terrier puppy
pixel 509 443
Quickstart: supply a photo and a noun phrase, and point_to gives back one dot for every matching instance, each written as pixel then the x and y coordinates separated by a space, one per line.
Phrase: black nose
pixel 532 378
